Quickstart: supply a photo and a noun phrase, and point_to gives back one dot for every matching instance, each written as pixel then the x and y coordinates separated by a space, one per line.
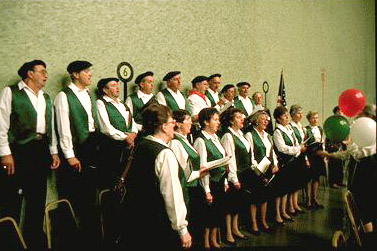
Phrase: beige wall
pixel 243 40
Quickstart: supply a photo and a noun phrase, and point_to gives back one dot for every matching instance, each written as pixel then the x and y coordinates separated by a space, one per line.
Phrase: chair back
pixel 354 217
pixel 10 235
pixel 62 228
pixel 110 208
pixel 339 241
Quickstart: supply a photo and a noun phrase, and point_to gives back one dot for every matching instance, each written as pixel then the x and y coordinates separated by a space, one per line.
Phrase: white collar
pixel 212 92
pixel 76 89
pixel 141 94
pixel 23 85
pixel 209 136
pixel 152 138
pixel 108 99
pixel 239 133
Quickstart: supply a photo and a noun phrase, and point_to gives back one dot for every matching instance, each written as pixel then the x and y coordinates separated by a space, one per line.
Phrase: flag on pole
pixel 281 93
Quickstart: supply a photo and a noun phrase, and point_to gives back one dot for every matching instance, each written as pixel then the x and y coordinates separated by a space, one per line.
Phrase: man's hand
pixel 130 139
pixel 75 163
pixel 186 240
pixel 55 161
pixel 275 169
pixel 7 163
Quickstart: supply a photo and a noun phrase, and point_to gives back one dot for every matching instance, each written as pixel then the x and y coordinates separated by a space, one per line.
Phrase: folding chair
pixel 110 215
pixel 62 228
pixel 339 241
pixel 353 215
pixel 10 235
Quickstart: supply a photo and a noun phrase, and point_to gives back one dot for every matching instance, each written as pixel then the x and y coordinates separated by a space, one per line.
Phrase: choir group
pixel 197 164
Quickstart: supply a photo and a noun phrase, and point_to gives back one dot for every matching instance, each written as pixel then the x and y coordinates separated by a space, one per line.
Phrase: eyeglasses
pixel 43 72
pixel 171 122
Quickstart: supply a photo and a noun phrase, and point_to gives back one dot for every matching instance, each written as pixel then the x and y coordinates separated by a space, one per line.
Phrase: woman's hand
pixel 237 185
pixel 209 198
pixel 275 169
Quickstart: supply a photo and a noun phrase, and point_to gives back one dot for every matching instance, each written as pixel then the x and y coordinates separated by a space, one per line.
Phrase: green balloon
pixel 337 128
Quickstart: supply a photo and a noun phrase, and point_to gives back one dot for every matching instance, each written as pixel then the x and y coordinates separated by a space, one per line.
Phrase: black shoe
pixel 256 233
pixel 280 224
pixel 288 219
pixel 232 243
pixel 319 206
pixel 292 214
pixel 245 237
pixel 300 211
pixel 268 230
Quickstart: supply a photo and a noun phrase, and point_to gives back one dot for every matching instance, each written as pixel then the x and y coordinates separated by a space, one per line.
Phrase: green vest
pixel 116 118
pixel 297 134
pixel 23 118
pixel 282 157
pixel 213 154
pixel 209 96
pixel 139 106
pixel 194 158
pixel 243 157
pixel 310 134
pixel 238 104
pixel 171 103
pixel 78 117
pixel 259 147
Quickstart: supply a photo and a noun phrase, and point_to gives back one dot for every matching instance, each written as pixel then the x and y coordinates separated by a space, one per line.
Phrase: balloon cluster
pixel 363 131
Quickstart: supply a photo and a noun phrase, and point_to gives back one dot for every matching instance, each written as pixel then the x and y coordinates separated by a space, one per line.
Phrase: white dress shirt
pixel 166 169
pixel 39 103
pixel 280 143
pixel 182 156
pixel 247 104
pixel 229 146
pixel 200 146
pixel 106 127
pixel 62 117
pixel 197 103
pixel 144 97
pixel 176 95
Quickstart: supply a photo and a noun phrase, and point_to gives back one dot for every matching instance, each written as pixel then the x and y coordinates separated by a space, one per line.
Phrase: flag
pixel 281 93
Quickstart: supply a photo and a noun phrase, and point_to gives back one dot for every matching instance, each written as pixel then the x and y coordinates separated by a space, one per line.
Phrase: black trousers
pixel 32 163
pixel 80 188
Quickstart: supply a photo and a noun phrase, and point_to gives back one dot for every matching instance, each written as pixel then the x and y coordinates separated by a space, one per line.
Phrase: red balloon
pixel 352 102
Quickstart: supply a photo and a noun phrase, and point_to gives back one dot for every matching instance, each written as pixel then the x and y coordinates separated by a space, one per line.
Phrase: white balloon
pixel 363 132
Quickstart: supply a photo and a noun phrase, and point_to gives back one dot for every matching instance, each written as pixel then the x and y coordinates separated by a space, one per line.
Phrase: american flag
pixel 281 93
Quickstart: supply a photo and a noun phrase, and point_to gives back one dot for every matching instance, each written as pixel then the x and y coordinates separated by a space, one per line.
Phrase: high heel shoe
pixel 255 232
pixel 232 243
pixel 280 223
pixel 288 219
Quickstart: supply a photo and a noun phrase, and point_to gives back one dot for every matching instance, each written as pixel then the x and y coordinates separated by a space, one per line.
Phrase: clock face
pixel 125 71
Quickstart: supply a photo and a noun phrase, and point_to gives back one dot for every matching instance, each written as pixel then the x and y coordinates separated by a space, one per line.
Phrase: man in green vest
pixel 117 124
pixel 137 102
pixel 213 91
pixel 171 96
pixel 78 128
pixel 243 101
pixel 28 148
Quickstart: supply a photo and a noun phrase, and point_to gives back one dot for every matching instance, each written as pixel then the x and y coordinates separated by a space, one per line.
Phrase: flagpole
pixel 323 78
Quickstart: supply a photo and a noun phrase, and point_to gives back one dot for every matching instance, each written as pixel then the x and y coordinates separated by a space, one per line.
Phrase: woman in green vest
pixel 209 148
pixel 303 171
pixel 288 151
pixel 232 120
pixel 261 147
pixel 316 155
pixel 189 173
